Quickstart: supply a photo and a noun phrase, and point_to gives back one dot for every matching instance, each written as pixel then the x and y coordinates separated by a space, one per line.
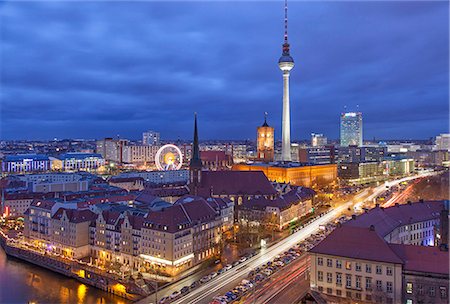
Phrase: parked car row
pixel 260 274
pixel 186 289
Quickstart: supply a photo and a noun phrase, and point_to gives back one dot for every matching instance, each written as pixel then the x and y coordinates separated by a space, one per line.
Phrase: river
pixel 21 282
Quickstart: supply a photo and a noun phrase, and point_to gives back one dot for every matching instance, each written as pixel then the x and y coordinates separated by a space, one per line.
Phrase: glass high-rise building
pixel 351 129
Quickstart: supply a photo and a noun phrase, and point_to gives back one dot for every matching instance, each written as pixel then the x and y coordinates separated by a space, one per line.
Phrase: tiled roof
pixel 214 156
pixel 76 216
pixel 235 183
pixel 21 157
pixel 422 258
pixel 125 179
pixel 298 194
pixel 357 243
pixel 182 215
pixel 78 156
pixel 43 204
pixel 387 219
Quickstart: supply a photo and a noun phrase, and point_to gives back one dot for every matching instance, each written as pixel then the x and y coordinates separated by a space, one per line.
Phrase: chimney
pixel 353 216
pixel 377 205
pixel 409 203
pixel 397 205
pixel 421 200
pixel 372 228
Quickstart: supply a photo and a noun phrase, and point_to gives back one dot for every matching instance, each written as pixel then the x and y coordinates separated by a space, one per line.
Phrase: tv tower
pixel 286 63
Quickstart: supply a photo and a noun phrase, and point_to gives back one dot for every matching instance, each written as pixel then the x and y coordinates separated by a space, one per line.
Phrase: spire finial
pixel 265 120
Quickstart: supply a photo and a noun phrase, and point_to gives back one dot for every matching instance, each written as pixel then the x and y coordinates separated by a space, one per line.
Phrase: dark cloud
pixel 96 69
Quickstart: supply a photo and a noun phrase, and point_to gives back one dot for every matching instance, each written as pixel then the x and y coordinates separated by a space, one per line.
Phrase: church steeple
pixel 195 159
pixel 195 165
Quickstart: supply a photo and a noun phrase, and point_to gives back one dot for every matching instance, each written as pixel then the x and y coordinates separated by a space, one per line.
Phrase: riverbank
pixel 130 289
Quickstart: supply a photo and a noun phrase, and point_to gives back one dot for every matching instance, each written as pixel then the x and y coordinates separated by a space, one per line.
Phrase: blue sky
pixel 99 69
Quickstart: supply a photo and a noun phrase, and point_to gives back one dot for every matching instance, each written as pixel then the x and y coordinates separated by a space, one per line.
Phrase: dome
pixel 286 58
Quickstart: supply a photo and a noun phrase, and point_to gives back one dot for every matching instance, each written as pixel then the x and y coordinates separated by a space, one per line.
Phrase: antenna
pixel 285 21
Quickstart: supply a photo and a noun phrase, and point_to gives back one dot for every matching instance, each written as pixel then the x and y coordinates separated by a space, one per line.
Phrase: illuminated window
pixel 348 265
pixel 409 287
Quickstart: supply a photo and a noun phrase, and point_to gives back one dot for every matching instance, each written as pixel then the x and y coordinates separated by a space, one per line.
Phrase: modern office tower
pixel 265 142
pixel 318 140
pixel 442 142
pixel 286 63
pixel 351 129
pixel 150 138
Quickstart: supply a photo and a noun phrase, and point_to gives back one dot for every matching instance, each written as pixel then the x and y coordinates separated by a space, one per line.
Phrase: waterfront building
pixel 167 241
pixel 351 129
pixel 318 140
pixel 442 142
pixel 151 138
pixel 26 163
pixel 383 256
pixel 298 174
pixel 265 141
pixel 78 162
pixel 16 203
pixel 278 213
pixel 70 232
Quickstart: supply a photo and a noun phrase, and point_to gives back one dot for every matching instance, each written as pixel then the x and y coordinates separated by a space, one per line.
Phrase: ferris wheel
pixel 168 157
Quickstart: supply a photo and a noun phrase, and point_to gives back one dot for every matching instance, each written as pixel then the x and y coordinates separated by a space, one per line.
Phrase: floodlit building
pixel 298 174
pixel 25 163
pixel 111 149
pixel 351 129
pixel 265 142
pixel 78 162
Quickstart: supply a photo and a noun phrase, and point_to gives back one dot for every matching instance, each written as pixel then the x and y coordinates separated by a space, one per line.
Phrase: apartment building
pixel 384 256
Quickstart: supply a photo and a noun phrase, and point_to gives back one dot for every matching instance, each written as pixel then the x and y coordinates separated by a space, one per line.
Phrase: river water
pixel 21 282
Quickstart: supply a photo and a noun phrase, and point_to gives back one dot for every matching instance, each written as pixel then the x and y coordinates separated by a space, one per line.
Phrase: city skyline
pixel 105 80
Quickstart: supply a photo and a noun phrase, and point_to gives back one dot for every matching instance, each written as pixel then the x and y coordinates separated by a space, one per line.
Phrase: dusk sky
pixel 99 69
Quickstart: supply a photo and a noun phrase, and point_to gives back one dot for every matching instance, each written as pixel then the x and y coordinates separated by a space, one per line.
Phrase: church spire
pixel 195 159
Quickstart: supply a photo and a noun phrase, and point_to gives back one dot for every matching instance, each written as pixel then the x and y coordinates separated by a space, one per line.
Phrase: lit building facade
pixel 265 142
pixel 442 142
pixel 351 129
pixel 26 163
pixel 296 174
pixel 318 140
pixel 151 138
pixel 78 162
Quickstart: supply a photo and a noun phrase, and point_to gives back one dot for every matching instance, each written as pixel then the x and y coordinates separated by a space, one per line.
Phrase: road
pixel 226 281
pixel 284 286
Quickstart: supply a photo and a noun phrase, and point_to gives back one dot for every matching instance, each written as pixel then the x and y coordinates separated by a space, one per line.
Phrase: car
pixel 213 275
pixel 216 261
pixel 164 300
pixel 228 267
pixel 236 263
pixel 243 259
pixel 251 273
pixel 205 279
pixel 175 294
pixel 195 284
pixel 221 270
pixel 184 290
